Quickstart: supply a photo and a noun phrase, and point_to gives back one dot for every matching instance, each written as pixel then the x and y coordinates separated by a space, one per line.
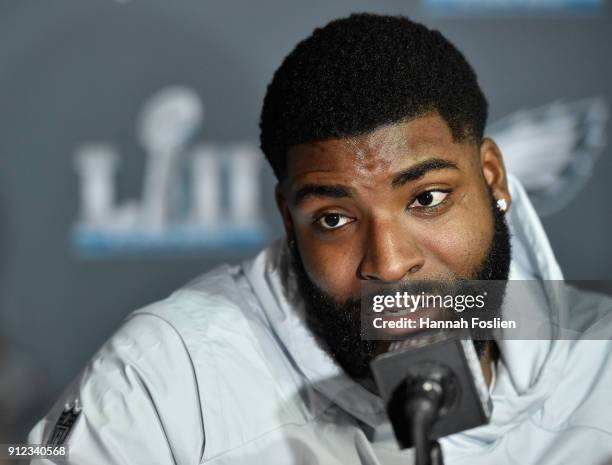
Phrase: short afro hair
pixel 361 72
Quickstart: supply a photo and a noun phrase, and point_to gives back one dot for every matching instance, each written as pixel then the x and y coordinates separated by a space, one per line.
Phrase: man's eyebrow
pixel 421 169
pixel 321 190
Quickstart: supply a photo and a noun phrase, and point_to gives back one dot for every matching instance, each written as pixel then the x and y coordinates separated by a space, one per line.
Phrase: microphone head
pixel 444 361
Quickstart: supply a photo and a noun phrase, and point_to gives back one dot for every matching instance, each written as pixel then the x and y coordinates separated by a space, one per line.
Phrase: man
pixel 374 128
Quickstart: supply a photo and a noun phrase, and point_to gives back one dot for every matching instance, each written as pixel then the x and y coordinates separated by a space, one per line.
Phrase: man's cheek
pixel 460 249
pixel 332 270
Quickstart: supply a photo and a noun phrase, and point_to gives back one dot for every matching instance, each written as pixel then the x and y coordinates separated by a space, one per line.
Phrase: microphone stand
pixel 423 401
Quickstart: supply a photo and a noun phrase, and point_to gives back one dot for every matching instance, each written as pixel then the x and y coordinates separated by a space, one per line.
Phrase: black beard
pixel 339 325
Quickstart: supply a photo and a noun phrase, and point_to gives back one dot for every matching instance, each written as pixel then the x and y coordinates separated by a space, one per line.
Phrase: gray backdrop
pixel 72 71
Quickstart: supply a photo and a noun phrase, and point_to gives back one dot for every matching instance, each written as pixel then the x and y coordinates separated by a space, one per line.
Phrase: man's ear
pixel 494 171
pixel 283 208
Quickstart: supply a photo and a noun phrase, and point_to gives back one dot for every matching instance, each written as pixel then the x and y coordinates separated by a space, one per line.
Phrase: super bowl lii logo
pixel 195 197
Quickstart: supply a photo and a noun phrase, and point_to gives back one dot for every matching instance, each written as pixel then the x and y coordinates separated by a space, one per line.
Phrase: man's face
pixel 404 202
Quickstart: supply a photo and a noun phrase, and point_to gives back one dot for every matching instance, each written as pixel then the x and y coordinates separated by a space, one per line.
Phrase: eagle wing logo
pixel 552 149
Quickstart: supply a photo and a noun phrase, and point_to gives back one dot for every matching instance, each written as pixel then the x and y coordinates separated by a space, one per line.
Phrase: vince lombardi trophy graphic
pixel 167 122
pixel 211 202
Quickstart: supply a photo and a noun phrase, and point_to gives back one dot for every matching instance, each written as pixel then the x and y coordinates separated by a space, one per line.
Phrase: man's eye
pixel 333 221
pixel 429 199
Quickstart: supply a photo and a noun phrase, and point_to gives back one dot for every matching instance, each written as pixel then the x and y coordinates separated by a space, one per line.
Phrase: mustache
pixel 443 287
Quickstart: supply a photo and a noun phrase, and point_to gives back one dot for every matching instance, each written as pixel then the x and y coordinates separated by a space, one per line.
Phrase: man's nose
pixel 390 253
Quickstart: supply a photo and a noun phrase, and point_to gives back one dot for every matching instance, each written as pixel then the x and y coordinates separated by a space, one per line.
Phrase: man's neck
pixel 485 362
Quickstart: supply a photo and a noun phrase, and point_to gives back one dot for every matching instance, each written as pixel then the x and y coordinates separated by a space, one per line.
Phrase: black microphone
pixel 433 386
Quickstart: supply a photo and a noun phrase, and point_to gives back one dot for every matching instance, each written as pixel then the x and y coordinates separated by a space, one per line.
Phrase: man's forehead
pixel 381 150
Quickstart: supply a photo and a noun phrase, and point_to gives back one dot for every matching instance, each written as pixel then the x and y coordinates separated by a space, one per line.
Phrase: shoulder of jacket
pixel 219 298
pixel 232 348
